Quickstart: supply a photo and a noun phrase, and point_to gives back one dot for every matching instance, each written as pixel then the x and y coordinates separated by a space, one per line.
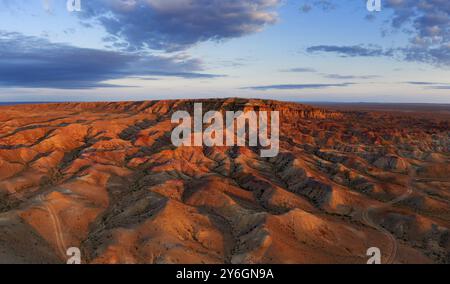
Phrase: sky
pixel 295 50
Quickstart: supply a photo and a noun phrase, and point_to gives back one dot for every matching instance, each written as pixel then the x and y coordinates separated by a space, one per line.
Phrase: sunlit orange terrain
pixel 105 177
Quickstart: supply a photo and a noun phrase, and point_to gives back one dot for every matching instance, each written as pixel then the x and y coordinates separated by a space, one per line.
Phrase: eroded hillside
pixel 106 178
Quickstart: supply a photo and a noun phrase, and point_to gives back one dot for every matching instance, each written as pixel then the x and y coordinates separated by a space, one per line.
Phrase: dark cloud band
pixel 427 23
pixel 297 86
pixel 34 62
pixel 177 24
pixel 351 51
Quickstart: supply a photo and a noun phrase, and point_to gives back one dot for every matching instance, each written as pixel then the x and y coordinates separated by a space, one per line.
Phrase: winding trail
pixel 369 221
pixel 60 243
pixel 57 228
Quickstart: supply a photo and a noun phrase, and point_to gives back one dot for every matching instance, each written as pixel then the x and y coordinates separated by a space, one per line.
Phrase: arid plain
pixel 105 177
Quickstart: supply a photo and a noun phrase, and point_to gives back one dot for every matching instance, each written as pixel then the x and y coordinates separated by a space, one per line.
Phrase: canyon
pixel 106 178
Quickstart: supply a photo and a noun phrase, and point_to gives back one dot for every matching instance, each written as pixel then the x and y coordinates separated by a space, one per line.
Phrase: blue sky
pixel 300 50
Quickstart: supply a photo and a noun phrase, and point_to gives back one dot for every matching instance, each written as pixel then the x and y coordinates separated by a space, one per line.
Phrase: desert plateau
pixel 105 178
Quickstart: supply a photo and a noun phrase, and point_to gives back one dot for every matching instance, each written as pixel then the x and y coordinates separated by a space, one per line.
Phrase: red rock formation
pixel 105 177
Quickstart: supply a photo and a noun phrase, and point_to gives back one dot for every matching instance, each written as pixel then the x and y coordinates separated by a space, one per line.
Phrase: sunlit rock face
pixel 105 177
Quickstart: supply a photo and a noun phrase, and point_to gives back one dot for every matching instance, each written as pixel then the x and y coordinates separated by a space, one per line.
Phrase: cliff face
pixel 106 178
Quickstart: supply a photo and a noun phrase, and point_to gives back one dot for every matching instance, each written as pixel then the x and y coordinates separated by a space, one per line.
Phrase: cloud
pixel 421 83
pixel 426 22
pixel 178 24
pixel 326 5
pixel 299 70
pixel 297 86
pixel 349 77
pixel 33 62
pixel 439 56
pixel 430 85
pixel 329 76
pixel 429 24
pixel 443 87
pixel 352 51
